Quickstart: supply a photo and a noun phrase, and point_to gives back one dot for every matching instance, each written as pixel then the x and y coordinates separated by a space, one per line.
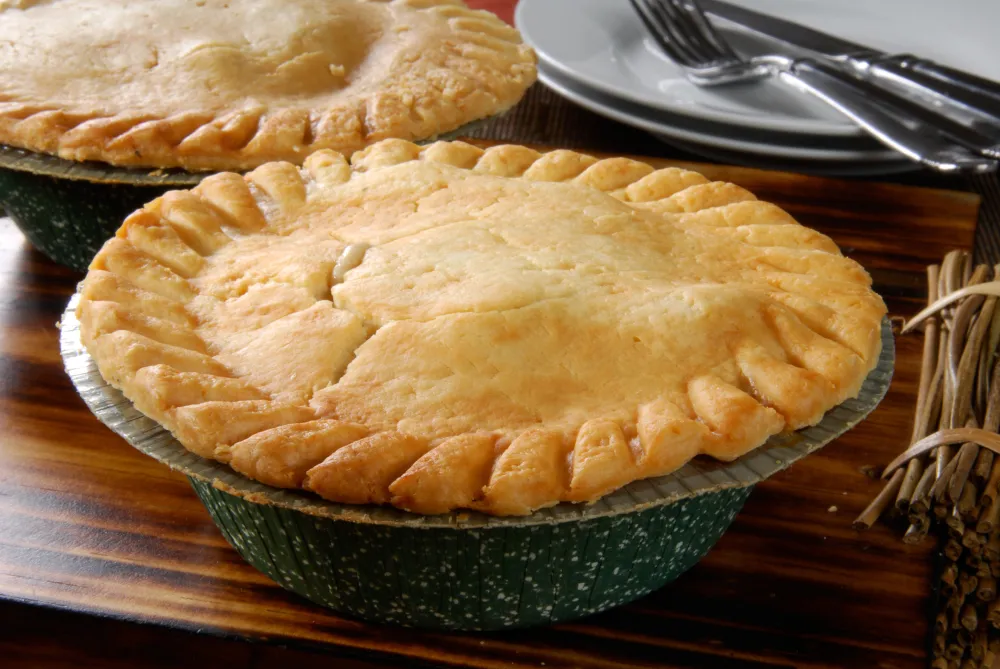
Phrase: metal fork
pixel 687 37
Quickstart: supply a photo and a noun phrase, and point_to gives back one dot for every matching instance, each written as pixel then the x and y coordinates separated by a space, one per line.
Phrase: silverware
pixel 940 85
pixel 687 37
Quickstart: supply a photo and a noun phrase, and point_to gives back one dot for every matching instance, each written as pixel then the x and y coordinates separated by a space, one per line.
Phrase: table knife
pixel 944 86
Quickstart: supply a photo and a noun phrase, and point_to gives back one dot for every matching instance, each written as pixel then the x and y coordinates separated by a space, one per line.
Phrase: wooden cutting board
pixel 89 525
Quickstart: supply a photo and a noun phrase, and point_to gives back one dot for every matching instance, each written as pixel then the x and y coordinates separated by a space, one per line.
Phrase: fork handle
pixel 910 135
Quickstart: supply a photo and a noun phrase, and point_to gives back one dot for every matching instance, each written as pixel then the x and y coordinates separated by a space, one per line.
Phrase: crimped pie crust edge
pixel 498 476
pixel 488 71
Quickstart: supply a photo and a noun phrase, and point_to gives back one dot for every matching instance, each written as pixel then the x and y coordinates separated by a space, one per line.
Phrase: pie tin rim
pixel 697 477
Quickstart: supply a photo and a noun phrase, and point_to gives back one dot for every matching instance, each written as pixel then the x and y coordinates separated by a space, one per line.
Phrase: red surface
pixel 502 8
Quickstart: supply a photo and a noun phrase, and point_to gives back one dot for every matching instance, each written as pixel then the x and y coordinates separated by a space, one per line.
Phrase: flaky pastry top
pixel 232 84
pixel 446 327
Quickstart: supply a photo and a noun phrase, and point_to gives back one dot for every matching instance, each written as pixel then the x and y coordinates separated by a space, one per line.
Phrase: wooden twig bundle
pixel 947 483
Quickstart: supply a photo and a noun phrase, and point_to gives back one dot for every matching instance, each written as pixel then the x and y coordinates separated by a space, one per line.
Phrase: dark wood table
pixel 107 559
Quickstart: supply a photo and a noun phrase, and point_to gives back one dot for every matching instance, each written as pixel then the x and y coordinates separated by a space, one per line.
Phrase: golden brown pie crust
pixel 233 84
pixel 446 327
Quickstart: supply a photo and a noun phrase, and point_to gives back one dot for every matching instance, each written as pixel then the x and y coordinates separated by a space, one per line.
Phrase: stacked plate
pixel 597 54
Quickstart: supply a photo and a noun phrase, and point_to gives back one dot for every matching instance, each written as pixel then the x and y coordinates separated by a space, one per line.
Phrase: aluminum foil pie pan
pixel 68 209
pixel 467 570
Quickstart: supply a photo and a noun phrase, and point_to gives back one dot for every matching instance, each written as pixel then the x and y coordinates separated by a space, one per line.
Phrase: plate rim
pixel 787 124
pixel 608 111
pixel 822 169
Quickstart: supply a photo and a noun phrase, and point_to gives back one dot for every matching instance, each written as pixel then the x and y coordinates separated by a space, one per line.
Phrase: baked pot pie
pixel 444 327
pixel 233 84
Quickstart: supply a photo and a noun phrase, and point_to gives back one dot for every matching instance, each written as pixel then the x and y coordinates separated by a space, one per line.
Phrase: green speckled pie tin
pixel 67 210
pixel 470 571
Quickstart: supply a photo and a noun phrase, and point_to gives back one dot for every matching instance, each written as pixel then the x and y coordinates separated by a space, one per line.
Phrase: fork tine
pixel 686 32
pixel 696 19
pixel 663 34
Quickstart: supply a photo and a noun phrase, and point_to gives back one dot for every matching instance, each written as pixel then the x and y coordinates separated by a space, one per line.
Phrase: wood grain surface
pixel 90 525
pixel 97 540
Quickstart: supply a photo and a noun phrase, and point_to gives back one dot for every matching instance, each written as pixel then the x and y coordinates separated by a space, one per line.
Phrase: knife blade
pixel 945 87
